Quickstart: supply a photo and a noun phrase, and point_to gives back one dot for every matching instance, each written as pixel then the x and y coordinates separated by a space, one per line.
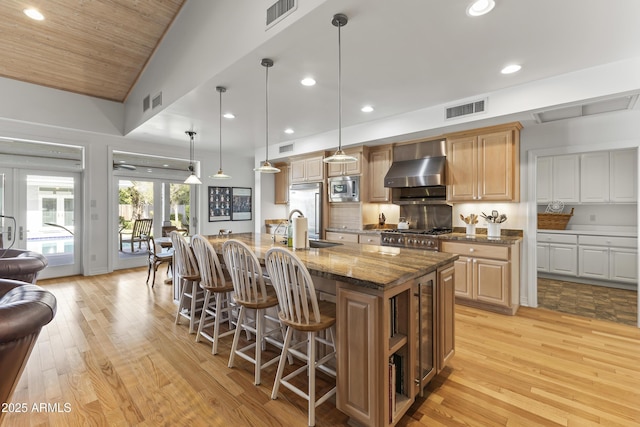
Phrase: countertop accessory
pixel 469 220
pixel 494 218
pixel 339 20
pixel 220 174
pixel 555 206
pixel 403 224
pixel 381 219
pixel 192 178
pixel 266 166
pixel 554 221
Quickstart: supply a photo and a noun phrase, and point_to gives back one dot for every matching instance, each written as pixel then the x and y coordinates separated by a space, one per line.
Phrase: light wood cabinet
pixel 486 275
pixel 484 164
pixel 307 169
pixel 369 239
pixel 281 185
pixel 379 164
pixel 341 237
pixel 339 169
pixel 446 294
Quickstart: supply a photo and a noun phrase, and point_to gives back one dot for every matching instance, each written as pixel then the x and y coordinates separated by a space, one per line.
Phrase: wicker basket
pixel 554 221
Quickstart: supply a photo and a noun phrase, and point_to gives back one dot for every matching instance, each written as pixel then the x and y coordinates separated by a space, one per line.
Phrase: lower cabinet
pixel 487 275
pixel 391 344
pixel 364 238
pixel 557 253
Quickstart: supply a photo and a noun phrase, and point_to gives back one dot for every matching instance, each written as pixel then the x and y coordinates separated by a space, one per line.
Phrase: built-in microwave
pixel 344 189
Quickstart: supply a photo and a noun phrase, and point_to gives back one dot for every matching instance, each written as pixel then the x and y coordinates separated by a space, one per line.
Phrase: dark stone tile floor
pixel 596 302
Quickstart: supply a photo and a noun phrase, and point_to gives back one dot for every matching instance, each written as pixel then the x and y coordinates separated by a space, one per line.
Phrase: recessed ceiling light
pixel 34 14
pixel 165 165
pixel 480 7
pixel 308 81
pixel 509 69
pixel 367 109
pixel 228 116
pixel 149 170
pixel 289 131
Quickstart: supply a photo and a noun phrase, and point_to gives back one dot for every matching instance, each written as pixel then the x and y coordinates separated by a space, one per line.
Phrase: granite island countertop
pixel 371 266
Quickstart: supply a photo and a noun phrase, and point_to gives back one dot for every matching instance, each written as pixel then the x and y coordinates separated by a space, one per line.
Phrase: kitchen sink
pixel 322 244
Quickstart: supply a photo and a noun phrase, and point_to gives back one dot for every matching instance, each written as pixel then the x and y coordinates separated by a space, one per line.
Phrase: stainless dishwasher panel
pixel 425 342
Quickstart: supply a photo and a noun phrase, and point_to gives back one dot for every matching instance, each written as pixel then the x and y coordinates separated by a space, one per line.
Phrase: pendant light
pixel 220 174
pixel 339 20
pixel 266 166
pixel 192 178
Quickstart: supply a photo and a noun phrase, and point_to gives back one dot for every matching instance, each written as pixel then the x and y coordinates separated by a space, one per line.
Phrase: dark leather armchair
pixel 24 310
pixel 21 265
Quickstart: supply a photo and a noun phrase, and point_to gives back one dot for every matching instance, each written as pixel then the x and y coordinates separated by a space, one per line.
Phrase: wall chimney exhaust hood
pixel 429 171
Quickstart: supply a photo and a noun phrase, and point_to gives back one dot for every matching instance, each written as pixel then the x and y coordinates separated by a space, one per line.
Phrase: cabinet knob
pixel 471 249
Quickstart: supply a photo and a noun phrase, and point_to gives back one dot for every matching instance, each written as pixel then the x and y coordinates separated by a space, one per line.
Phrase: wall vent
pixel 588 109
pixel 285 148
pixel 466 109
pixel 156 101
pixel 279 10
pixel 146 103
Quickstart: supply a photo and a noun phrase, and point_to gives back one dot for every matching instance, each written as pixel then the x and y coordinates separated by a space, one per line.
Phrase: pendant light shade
pixel 266 166
pixel 192 178
pixel 220 174
pixel 339 20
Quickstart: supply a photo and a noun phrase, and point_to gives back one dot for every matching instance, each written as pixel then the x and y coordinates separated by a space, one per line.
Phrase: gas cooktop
pixel 431 231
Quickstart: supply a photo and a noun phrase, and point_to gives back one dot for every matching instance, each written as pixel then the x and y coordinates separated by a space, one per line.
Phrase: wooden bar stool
pixel 188 276
pixel 218 305
pixel 301 311
pixel 250 292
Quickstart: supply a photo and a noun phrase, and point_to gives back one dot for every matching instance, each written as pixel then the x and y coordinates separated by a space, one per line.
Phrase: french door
pixel 42 213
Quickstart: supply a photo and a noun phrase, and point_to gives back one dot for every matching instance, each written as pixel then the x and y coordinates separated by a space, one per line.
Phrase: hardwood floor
pixel 115 357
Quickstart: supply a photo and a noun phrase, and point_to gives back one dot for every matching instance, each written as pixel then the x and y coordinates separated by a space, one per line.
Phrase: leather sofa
pixel 24 309
pixel 21 265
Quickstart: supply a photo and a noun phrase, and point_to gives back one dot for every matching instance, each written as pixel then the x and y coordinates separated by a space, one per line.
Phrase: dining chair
pixel 158 255
pixel 250 292
pixel 218 305
pixel 187 275
pixel 301 311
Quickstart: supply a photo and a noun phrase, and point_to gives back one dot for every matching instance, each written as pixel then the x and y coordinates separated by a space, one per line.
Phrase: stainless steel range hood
pixel 423 172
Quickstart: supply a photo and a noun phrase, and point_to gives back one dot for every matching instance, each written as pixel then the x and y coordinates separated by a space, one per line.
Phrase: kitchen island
pixel 394 324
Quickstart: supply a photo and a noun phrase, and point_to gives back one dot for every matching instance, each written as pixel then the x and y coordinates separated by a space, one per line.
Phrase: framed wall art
pixel 219 204
pixel 241 204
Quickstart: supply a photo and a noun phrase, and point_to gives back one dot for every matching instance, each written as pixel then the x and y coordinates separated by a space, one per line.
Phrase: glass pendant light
pixel 339 20
pixel 192 178
pixel 220 174
pixel 266 166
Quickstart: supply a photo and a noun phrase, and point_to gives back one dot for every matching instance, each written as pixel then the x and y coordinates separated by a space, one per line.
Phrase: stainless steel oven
pixel 413 238
pixel 344 189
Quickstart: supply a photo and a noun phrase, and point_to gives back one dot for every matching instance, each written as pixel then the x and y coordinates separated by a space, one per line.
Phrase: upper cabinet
pixel 379 164
pixel 484 164
pixel 307 169
pixel 340 169
pixel 597 177
pixel 281 185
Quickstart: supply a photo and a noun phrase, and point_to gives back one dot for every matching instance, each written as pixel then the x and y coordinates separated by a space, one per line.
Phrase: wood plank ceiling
pixel 91 47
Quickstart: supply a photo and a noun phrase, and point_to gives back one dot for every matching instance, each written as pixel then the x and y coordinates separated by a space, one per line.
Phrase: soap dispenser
pixel 290 235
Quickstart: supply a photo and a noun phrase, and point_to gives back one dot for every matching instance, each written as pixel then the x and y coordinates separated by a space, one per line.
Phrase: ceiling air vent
pixel 466 109
pixel 279 10
pixel 146 103
pixel 588 109
pixel 285 148
pixel 156 101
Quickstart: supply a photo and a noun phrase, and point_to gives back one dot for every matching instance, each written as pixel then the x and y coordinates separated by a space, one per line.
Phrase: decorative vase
pixel 493 229
pixel 471 229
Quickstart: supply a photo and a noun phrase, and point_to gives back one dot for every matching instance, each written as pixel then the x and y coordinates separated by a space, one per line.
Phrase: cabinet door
pixel 566 178
pixel 544 180
pixel 341 237
pixel 563 259
pixel 358 352
pixel 298 170
pixel 623 178
pixel 542 255
pixel 335 169
pixel 356 167
pixel 463 278
pixel 593 262
pixel 446 316
pixel 594 177
pixel 281 185
pixel 496 166
pixel 379 163
pixel 369 239
pixel 462 169
pixel 491 279
pixel 623 265
pixel 315 169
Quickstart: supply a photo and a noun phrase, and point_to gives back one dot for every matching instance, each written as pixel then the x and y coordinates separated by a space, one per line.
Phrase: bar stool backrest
pixel 185 263
pixel 245 271
pixel 211 275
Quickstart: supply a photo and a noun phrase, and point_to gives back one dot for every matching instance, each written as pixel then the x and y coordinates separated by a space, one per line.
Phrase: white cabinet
pixel 594 177
pixel 544 180
pixel 608 258
pixel 557 254
pixel 623 176
pixel 558 178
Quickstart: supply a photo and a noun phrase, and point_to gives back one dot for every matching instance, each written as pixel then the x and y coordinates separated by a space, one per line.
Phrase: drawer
pixel 342 237
pixel 570 239
pixel 476 250
pixel 369 239
pixel 621 242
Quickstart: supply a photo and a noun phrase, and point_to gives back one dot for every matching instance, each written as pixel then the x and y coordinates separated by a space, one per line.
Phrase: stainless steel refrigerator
pixel 307 198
